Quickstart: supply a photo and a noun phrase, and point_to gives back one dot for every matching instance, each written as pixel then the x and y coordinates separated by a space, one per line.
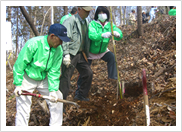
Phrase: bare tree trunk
pixel 113 14
pixel 167 9
pixel 9 20
pixel 9 14
pixel 29 20
pixel 121 20
pixel 50 15
pixel 65 10
pixel 30 15
pixel 35 16
pixel 44 21
pixel 124 15
pixel 139 20
pixel 16 34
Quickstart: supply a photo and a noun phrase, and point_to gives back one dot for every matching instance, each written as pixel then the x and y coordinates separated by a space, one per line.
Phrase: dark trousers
pixel 85 72
pixel 111 68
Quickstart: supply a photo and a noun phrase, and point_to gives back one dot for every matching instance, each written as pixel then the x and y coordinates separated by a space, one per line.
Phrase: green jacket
pixel 99 44
pixel 172 12
pixel 64 18
pixel 38 60
pixel 74 32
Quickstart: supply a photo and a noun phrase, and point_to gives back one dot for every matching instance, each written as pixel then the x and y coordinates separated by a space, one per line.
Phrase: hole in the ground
pixel 133 89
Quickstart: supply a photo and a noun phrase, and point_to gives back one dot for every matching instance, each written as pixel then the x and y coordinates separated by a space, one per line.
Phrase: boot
pixel 80 97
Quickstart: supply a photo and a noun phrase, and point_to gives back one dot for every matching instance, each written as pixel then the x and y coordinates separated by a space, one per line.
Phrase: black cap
pixel 60 31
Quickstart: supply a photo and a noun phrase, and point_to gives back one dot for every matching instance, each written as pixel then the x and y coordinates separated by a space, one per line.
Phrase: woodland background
pixel 39 20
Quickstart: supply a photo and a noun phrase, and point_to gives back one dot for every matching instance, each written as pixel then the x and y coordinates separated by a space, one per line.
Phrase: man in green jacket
pixel 38 67
pixel 73 12
pixel 76 52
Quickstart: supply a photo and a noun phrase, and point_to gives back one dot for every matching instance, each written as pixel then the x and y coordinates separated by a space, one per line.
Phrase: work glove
pixel 53 96
pixel 18 91
pixel 116 34
pixel 66 60
pixel 106 35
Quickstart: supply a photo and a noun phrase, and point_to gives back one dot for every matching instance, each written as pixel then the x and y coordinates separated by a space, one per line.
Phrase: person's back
pixel 64 18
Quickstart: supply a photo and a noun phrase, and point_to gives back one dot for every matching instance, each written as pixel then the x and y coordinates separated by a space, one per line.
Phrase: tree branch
pixel 44 21
pixel 30 22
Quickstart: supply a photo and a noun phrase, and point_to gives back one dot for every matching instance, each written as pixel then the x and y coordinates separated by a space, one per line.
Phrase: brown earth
pixel 155 51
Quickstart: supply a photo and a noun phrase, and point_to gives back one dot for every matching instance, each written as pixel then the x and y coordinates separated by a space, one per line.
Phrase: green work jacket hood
pixel 74 32
pixel 38 60
pixel 99 44
pixel 64 18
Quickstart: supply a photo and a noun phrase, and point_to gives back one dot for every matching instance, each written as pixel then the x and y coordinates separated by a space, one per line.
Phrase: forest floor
pixel 155 52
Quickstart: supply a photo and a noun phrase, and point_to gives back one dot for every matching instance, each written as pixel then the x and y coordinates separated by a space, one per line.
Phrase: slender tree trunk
pixel 121 20
pixel 44 20
pixel 16 34
pixel 29 20
pixel 124 15
pixel 50 15
pixel 9 14
pixel 113 14
pixel 30 15
pixel 9 20
pixel 65 10
pixel 35 16
pixel 139 20
pixel 167 9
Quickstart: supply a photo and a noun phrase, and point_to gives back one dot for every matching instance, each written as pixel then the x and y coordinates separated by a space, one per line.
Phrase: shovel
pixel 49 98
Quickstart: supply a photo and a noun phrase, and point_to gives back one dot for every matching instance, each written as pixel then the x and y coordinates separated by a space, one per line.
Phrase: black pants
pixel 85 71
pixel 111 68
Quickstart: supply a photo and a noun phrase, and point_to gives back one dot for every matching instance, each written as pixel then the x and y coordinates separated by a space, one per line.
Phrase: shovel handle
pixel 48 97
pixel 145 95
pixel 144 80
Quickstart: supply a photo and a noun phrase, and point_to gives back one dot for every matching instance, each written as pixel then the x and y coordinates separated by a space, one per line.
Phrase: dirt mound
pixel 155 51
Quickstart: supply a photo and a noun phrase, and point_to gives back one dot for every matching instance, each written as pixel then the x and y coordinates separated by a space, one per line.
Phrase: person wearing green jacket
pixel 73 12
pixel 38 67
pixel 100 34
pixel 172 12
